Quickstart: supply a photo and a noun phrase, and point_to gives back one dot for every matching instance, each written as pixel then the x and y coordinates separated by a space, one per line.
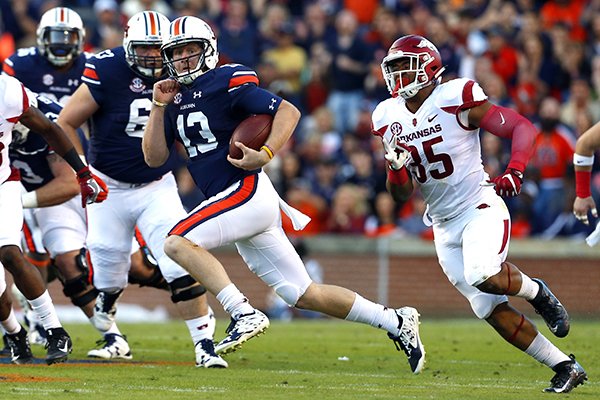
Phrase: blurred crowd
pixel 541 58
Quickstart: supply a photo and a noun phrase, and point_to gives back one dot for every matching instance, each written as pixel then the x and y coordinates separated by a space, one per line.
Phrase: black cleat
pixel 569 375
pixel 552 311
pixel 5 351
pixel 59 346
pixel 19 347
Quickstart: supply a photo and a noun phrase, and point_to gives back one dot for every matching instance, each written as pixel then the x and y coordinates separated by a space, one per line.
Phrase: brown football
pixel 252 132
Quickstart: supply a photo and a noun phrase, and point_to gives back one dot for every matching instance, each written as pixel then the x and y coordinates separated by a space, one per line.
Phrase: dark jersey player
pixel 200 108
pixel 116 94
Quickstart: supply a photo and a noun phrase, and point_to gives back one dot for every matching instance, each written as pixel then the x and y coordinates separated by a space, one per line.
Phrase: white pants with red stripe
pixel 247 213
pixel 471 247
pixel 154 207
pixel 11 220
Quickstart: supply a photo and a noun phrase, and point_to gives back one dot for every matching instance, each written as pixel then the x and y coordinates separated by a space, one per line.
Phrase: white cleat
pixel 408 338
pixel 206 356
pixel 115 346
pixel 242 329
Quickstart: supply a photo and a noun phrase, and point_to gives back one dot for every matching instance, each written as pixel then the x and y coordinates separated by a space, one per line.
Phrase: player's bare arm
pixel 284 122
pixel 62 188
pixel 80 107
pixel 154 145
pixel 583 160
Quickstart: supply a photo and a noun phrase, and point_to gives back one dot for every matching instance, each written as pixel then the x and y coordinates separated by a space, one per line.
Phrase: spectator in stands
pixel 553 151
pixel 107 31
pixel 349 211
pixel 351 56
pixel 579 103
pixel 238 34
pixel 383 220
pixel 132 7
pixel 503 56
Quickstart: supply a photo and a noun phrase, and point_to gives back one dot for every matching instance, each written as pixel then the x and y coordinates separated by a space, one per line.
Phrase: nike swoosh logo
pixel 502 121
pixel 431 118
pixel 65 349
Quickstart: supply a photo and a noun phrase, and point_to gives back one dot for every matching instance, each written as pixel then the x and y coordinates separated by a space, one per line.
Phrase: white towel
pixel 594 237
pixel 299 219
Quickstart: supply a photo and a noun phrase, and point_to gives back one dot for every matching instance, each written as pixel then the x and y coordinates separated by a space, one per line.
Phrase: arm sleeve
pixel 506 123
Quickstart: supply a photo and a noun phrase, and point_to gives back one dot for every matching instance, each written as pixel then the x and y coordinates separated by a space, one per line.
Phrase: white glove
pixel 396 155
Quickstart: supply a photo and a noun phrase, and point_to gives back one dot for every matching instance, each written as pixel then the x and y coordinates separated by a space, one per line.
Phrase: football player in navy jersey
pixel 51 193
pixel 201 107
pixel 54 67
pixel 117 95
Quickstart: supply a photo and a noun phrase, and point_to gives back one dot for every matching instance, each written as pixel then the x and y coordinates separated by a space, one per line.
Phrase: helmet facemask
pixel 193 65
pixel 147 65
pixel 60 36
pixel 177 53
pixel 145 31
pixel 408 81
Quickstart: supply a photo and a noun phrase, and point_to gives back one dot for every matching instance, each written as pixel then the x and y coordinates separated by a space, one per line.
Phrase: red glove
pixel 509 183
pixel 93 189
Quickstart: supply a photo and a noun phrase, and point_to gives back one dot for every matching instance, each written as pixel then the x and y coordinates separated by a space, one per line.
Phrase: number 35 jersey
pixel 446 154
pixel 125 100
pixel 204 115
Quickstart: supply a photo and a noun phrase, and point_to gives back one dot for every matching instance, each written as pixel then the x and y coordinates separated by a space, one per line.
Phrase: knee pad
pixel 79 290
pixel 157 280
pixel 185 288
pixel 289 293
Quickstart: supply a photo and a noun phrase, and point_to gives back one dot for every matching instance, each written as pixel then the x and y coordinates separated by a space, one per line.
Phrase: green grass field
pixel 321 360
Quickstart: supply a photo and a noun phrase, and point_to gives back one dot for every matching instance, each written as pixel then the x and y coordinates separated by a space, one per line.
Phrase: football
pixel 252 132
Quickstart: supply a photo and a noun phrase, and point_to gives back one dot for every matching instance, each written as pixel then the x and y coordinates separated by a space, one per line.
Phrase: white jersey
pixel 446 154
pixel 13 103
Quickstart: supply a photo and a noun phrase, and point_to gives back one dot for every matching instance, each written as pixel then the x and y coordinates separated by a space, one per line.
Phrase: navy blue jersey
pixel 30 156
pixel 125 100
pixel 40 76
pixel 204 115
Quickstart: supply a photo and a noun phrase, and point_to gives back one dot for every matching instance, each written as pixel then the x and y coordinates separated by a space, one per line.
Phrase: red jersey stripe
pixel 90 73
pixel 8 69
pixel 235 199
pixel 240 80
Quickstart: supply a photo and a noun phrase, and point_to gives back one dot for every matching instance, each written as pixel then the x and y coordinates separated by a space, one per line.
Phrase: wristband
pixel 583 161
pixel 399 177
pixel 582 184
pixel 158 103
pixel 269 150
pixel 29 199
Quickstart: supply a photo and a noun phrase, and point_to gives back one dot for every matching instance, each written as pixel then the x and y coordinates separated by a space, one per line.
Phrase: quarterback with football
pixel 201 107
pixel 430 133
pixel 116 95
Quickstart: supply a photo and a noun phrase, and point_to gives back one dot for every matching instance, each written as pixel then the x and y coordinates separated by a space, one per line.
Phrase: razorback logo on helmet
pixel 426 43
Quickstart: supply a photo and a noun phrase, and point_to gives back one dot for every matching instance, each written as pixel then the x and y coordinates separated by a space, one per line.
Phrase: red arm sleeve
pixel 506 123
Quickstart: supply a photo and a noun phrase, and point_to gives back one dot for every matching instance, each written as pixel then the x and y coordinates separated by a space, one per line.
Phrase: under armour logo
pixel 272 105
pixel 73 82
pixel 198 94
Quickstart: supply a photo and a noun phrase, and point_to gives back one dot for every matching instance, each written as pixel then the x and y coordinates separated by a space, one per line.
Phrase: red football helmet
pixel 425 66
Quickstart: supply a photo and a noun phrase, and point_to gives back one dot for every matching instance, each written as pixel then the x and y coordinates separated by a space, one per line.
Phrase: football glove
pixel 509 183
pixel 396 155
pixel 93 189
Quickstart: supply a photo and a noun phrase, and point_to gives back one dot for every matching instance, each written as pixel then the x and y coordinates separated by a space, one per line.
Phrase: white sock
pixel 201 328
pixel 373 314
pixel 233 301
pixel 11 325
pixel 113 329
pixel 529 288
pixel 44 309
pixel 545 352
